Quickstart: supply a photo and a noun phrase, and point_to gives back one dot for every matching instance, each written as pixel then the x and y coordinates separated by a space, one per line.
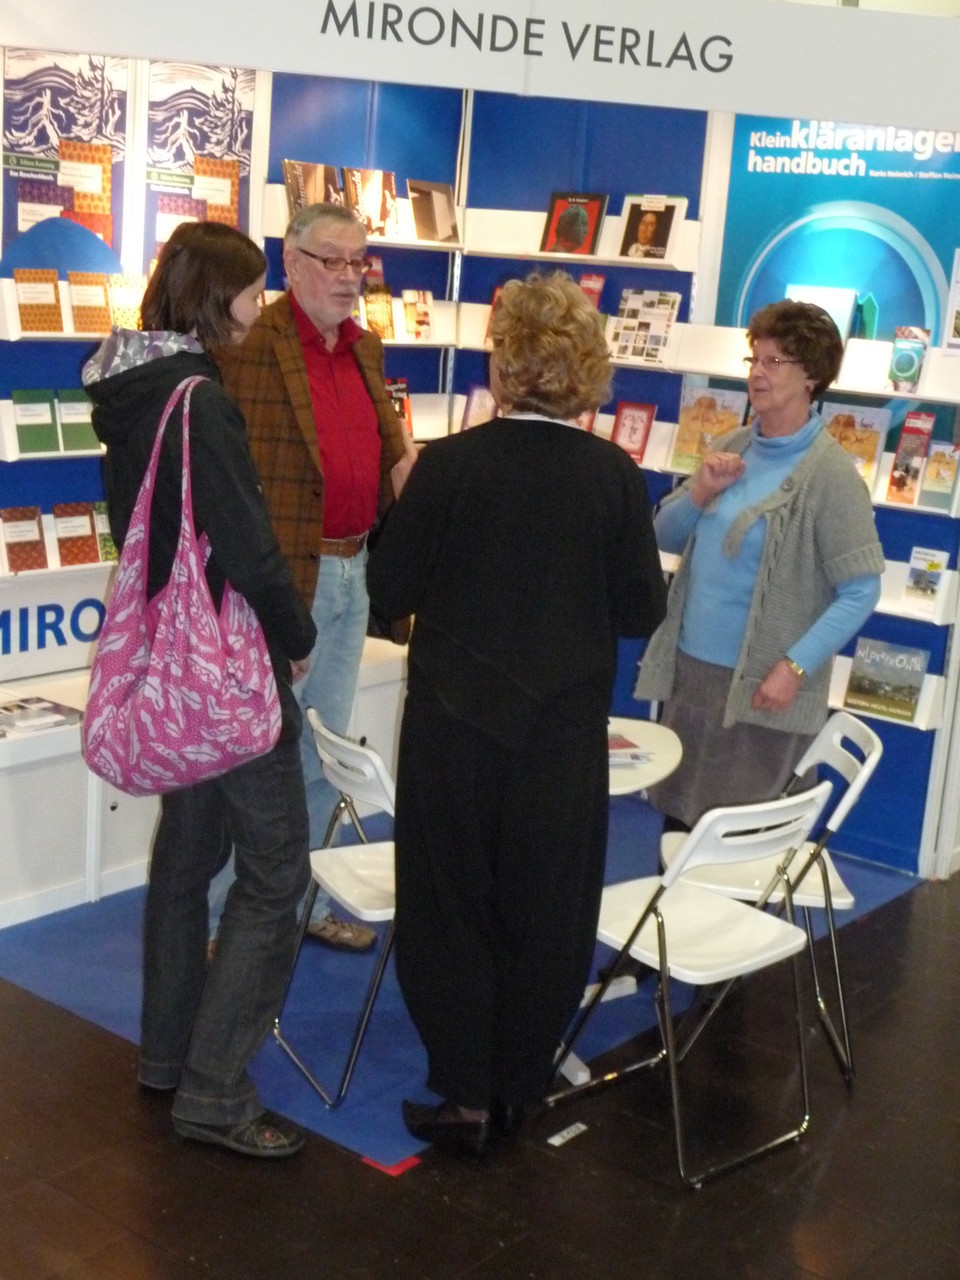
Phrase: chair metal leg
pixel 839 1041
pixel 333 1100
pixel 344 806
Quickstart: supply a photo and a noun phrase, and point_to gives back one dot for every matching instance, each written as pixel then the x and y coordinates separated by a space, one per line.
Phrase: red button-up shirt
pixel 347 433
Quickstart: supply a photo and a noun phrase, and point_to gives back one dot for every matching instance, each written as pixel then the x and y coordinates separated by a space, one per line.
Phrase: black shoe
pixel 445 1127
pixel 267 1135
pixel 506 1120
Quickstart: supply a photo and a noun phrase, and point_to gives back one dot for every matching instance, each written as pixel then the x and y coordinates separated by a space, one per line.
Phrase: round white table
pixel 659 746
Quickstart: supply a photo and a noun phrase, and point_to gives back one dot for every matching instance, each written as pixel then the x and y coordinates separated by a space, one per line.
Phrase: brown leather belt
pixel 343 547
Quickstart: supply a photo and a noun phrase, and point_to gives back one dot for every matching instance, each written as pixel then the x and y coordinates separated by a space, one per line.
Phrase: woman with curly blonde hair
pixel 525 547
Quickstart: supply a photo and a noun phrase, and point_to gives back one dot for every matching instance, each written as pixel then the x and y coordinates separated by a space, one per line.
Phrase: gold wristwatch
pixel 795 667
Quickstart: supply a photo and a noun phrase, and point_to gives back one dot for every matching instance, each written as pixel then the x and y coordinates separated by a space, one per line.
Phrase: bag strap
pixel 140 518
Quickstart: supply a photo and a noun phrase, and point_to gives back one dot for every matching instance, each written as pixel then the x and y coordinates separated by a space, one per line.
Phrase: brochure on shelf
pixel 706 415
pixel 904 485
pixel 75 532
pixel 307 183
pixel 861 431
pixel 906 360
pixel 372 195
pixel 38 299
pixel 924 579
pixel 640 331
pixel 88 301
pixel 23 540
pixel 75 411
pixel 939 479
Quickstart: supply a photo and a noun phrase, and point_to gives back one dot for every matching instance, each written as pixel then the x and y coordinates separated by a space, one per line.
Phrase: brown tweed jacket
pixel 267 378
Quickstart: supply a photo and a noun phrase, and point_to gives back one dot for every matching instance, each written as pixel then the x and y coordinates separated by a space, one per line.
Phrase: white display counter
pixel 68 837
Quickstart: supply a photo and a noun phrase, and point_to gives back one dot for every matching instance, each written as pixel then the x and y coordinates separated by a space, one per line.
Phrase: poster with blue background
pixel 874 209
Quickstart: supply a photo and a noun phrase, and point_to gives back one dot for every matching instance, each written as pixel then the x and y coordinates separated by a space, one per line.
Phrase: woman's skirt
pixel 739 765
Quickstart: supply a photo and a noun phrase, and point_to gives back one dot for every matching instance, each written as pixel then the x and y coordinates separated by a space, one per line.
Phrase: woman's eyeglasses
pixel 360 266
pixel 767 362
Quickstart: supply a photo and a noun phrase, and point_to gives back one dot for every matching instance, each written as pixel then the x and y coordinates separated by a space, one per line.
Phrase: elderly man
pixel 331 452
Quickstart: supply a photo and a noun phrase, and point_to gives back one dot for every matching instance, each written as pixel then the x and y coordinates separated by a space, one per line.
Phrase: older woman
pixel 781 566
pixel 525 547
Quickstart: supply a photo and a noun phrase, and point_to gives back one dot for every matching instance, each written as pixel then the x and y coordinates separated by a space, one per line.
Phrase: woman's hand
pixel 717 471
pixel 778 689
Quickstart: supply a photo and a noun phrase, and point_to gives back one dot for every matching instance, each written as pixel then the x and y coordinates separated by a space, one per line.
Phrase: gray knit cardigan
pixel 820 532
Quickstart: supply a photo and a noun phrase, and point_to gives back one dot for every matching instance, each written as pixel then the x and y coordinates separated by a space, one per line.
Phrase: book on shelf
pixel 75 411
pixel 939 477
pixel 101 522
pixel 651 226
pixel 640 331
pixel 885 679
pixel 906 360
pixel 23 539
pixel 89 301
pixel 35 419
pixel 480 407
pixel 924 579
pixel 372 196
pixel 498 289
pixel 418 314
pixel 434 210
pixel 861 432
pixel 125 293
pixel 951 321
pixel 378 309
pixel 38 299
pixel 839 304
pixel 76 533
pixel 631 427
pixel 306 183
pixel 374 273
pixel 706 415
pixel 904 485
pixel 399 393
pixel 592 282
pixel 28 714
pixel 573 222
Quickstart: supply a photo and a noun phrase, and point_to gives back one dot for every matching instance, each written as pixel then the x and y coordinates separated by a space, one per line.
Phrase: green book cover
pixel 76 427
pixel 36 421
pixel 108 548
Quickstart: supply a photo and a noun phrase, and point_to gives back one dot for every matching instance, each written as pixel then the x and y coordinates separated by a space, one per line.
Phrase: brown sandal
pixel 341 935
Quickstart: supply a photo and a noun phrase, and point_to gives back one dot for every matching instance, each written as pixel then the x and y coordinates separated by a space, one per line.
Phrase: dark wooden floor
pixel 94 1186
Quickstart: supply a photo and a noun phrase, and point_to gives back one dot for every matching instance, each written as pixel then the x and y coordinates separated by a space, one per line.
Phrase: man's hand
pixel 717 471
pixel 299 668
pixel 400 471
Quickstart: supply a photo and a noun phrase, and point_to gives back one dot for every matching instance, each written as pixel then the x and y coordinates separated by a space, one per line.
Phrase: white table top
pixel 659 746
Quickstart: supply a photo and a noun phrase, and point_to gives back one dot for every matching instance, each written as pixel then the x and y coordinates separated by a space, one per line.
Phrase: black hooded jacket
pixel 227 501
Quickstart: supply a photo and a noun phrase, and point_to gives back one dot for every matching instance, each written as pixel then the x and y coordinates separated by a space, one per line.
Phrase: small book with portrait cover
pixel 23 538
pixel 573 222
pixel 631 427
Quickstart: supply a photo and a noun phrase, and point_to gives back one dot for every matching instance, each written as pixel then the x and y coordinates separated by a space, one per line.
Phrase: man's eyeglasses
pixel 767 362
pixel 358 265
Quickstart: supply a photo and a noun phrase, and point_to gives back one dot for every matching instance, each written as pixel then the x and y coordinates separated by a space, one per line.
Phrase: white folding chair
pixel 693 935
pixel 359 877
pixel 852 750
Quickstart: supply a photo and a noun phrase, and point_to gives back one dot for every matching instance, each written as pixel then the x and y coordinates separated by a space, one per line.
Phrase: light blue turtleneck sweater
pixel 721 587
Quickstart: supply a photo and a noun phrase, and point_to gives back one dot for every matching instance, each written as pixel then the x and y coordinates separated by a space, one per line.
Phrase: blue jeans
pixel 202 1024
pixel 340 610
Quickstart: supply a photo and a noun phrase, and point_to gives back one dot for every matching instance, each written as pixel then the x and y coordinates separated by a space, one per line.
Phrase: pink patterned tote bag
pixel 177 695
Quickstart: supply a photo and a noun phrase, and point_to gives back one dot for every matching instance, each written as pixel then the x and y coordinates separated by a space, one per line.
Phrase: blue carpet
pixel 87 960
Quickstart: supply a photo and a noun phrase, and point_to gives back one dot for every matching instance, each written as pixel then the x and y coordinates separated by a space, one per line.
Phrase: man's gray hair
pixel 304 218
